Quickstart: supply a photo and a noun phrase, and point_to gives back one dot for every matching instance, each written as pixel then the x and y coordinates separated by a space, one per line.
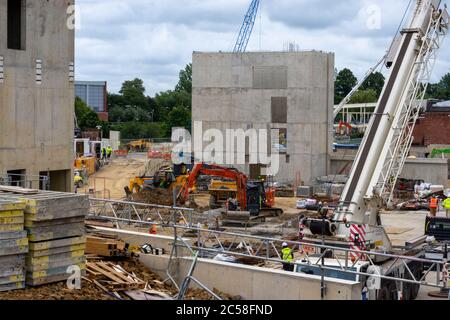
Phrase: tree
pixel 375 81
pixel 364 96
pixel 345 82
pixel 86 118
pixel 179 117
pixel 185 82
pixel 443 88
pixel 133 93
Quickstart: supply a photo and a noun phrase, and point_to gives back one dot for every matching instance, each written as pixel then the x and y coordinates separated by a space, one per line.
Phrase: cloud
pixel 153 40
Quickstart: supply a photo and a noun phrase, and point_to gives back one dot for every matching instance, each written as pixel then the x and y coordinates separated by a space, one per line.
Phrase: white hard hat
pixel 285 244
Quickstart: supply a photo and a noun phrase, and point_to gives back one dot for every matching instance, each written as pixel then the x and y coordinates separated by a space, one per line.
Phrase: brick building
pixel 434 126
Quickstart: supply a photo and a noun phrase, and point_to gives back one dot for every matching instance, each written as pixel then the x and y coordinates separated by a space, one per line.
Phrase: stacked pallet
pixel 54 222
pixel 13 245
pixel 55 225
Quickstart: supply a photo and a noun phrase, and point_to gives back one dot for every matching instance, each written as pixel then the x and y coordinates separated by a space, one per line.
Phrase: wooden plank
pixel 19 190
pixel 111 269
pixel 107 274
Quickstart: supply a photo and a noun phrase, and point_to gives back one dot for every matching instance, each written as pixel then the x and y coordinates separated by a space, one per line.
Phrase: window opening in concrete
pixel 16 24
pixel 44 183
pixel 279 109
pixel 60 180
pixel 17 178
pixel 280 144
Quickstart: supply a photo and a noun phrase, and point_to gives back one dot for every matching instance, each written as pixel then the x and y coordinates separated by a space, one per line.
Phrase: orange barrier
pixel 159 155
pixel 121 153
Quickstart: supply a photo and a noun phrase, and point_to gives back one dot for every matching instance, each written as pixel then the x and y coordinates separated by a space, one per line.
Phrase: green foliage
pixel 139 116
pixel 136 130
pixel 86 118
pixel 133 93
pixel 375 81
pixel 364 96
pixel 345 82
pixel 185 82
pixel 180 116
pixel 440 90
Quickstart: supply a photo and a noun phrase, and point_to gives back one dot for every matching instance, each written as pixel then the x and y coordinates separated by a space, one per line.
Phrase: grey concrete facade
pixel 434 171
pixel 240 91
pixel 37 93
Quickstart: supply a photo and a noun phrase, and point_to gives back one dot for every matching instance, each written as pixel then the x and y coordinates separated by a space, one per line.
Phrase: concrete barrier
pixel 255 283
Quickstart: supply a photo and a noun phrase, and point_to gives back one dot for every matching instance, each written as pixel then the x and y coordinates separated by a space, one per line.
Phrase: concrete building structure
pixel 37 91
pixel 288 91
pixel 434 171
pixel 95 95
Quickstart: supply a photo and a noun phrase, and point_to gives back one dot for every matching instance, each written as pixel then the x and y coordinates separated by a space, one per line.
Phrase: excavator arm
pixel 217 171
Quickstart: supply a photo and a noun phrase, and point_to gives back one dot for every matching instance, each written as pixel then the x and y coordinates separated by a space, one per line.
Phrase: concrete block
pixel 58 232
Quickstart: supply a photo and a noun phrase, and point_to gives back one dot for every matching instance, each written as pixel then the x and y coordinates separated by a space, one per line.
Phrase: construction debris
pixel 114 277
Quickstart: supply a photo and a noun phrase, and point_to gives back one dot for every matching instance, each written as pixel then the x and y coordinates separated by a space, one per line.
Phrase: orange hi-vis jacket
pixel 433 203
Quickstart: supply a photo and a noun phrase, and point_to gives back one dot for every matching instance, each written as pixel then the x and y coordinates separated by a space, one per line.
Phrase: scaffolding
pixel 265 249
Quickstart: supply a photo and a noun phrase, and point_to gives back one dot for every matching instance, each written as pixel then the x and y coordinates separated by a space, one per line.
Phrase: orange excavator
pixel 252 198
pixel 343 124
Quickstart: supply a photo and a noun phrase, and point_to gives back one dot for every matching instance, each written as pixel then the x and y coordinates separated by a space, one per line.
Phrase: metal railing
pixel 265 249
pixel 25 181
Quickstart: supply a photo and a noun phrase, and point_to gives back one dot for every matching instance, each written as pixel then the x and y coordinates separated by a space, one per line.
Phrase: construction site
pixel 83 217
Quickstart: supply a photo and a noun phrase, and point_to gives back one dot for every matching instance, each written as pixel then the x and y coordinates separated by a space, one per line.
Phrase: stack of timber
pixel 54 222
pixel 103 246
pixel 13 245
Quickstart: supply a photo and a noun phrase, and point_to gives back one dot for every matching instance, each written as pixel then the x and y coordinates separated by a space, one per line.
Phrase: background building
pixel 95 95
pixel 433 127
pixel 288 91
pixel 36 91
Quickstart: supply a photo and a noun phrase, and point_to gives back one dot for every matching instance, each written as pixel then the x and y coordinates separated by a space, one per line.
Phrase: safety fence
pixel 25 181
pixel 211 242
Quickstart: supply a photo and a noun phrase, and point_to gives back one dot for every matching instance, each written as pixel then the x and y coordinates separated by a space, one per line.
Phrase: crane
pixel 358 85
pixel 247 27
pixel 356 222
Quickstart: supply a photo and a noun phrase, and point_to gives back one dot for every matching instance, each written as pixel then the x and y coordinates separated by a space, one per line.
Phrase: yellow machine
pixel 220 191
pixel 166 177
pixel 138 145
pixel 87 163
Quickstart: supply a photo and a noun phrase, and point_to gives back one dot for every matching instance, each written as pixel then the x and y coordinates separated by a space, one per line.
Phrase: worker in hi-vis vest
pixel 447 207
pixel 433 206
pixel 288 257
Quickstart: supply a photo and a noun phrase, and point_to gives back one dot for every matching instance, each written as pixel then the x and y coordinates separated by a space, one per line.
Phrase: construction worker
pixel 433 206
pixel 109 152
pixel 288 257
pixel 78 181
pixel 103 153
pixel 446 204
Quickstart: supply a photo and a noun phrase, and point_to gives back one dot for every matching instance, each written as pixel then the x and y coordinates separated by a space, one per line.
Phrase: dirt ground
pixel 115 176
pixel 89 291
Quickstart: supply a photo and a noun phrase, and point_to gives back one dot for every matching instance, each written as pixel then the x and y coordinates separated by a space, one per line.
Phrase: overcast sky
pixel 119 40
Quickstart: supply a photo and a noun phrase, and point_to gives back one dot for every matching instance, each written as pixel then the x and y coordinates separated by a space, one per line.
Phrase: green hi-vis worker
pixel 288 257
pixel 447 207
pixel 109 152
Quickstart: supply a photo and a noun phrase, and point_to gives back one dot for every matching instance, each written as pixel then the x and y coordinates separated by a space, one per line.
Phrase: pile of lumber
pixel 106 247
pixel 13 245
pixel 113 278
pixel 54 222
